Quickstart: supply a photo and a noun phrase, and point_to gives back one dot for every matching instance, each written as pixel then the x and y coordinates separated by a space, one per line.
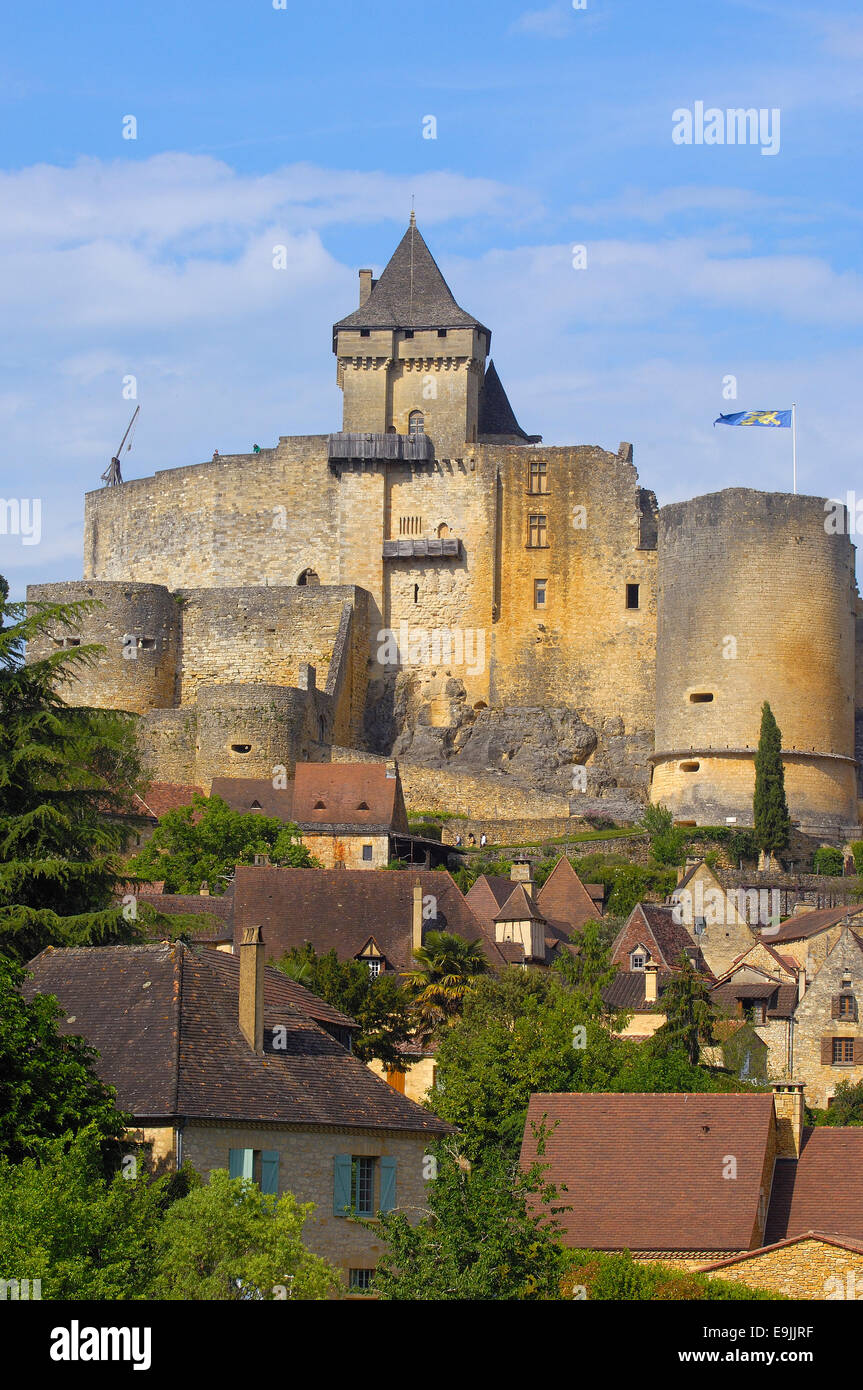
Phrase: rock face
pixel 428 721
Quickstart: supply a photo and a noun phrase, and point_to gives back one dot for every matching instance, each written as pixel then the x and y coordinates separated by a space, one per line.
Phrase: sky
pixel 636 285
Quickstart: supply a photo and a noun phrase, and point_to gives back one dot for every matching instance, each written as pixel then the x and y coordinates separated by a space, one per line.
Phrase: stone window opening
pixel 367 859
pixel 319 806
pixel 538 480
pixel 416 593
pixel 537 531
pixel 363 806
pixel 689 767
pixel 632 596
pixel 540 592
pixel 241 748
pixel 360 1278
pixel 410 525
pixel 638 958
pixel 409 333
pixel 701 697
pixel 322 729
pixel 416 422
pixel 443 529
pixel 441 332
pixel 147 644
pixel 843 1051
pixel 308 577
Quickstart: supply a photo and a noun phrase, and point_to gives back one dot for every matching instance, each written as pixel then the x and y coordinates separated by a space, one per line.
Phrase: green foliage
pixel 446 973
pixel 769 807
pixel 226 1241
pixel 846 1108
pixel 828 860
pixel 857 851
pixel 689 1014
pixel 667 843
pixel 426 828
pixel 620 1278
pixel 85 1234
pixel 484 1239
pixel 588 972
pixel 66 780
pixel 203 842
pixel 380 1006
pixel 480 864
pixel 48 1082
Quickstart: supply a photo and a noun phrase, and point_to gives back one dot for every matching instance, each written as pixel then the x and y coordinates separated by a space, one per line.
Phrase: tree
pixel 666 842
pixel 491 1234
pixel 689 1014
pixel 846 1108
pixel 446 973
pixel 84 1233
pixel 204 841
pixel 772 822
pixel 48 1083
pixel 589 970
pixel 380 1005
pixel 227 1241
pixel 67 775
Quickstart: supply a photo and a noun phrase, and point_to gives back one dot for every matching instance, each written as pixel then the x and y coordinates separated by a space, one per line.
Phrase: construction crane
pixel 112 475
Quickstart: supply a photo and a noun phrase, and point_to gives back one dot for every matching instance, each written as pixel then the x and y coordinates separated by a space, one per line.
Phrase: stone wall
pixel 813 1021
pixel 806 1269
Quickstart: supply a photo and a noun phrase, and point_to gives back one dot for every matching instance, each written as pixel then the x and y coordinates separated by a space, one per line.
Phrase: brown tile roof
pixel 565 898
pixel 519 907
pixel 220 908
pixel 822 1189
pixel 626 991
pixel 486 895
pixel 645 1172
pixel 256 795
pixel 808 924
pixel 164 1021
pixel 339 909
pixel 363 795
pixel 666 939
pixel 161 797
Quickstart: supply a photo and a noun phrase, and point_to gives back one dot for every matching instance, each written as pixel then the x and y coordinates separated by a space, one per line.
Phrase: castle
pixel 432 582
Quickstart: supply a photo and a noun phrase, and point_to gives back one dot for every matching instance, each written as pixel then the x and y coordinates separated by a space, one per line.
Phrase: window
pixel 410 525
pixel 637 960
pixel 701 697
pixel 362 1186
pixel 363 806
pixel 847 1007
pixel 308 577
pixel 539 592
pixel 367 853
pixel 375 963
pixel 360 1279
pixel 689 767
pixel 364 332
pixel 241 748
pixel 409 333
pixel 632 595
pixel 147 644
pixel 843 1051
pixel 416 422
pixel 396 1078
pixel 257 1165
pixel 441 332
pixel 538 476
pixel 537 531
pixel 319 806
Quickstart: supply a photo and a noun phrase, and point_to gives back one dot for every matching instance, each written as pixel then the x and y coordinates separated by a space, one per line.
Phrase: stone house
pixel 228 1064
pixel 699 1180
pixel 530 926
pixel 714 916
pixel 647 952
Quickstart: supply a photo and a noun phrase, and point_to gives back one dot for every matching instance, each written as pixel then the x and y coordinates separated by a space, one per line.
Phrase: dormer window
pixel 416 422
pixel 363 806
pixel 319 806
pixel 638 958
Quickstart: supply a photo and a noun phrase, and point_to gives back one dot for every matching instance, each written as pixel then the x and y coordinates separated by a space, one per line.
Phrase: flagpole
pixel 794 443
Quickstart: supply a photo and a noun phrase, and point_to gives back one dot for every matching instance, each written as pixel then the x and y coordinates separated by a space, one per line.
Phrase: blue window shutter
pixel 388 1184
pixel 342 1184
pixel 235 1162
pixel 270 1171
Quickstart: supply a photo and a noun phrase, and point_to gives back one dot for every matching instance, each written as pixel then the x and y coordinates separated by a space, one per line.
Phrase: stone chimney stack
pixel 252 988
pixel 651 972
pixel 365 286
pixel 522 872
pixel 417 921
pixel 788 1106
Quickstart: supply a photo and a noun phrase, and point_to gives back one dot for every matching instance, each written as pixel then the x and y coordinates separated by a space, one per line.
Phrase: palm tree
pixel 447 968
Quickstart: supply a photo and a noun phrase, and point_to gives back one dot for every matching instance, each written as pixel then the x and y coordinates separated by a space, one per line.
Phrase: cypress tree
pixel 771 820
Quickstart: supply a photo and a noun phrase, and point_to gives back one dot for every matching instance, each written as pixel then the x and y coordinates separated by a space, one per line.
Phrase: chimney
pixel 522 872
pixel 651 973
pixel 252 988
pixel 788 1108
pixel 204 890
pixel 417 921
pixel 365 286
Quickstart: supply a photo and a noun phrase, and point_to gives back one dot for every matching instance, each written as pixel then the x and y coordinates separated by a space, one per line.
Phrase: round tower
pixel 756 601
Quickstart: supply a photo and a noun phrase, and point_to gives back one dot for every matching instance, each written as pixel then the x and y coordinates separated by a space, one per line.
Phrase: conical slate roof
pixel 411 293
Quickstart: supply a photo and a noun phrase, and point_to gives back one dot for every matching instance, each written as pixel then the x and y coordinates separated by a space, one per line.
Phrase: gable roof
pixel 164 1019
pixel 519 907
pixel 665 937
pixel 339 909
pixel 410 293
pixel 200 905
pixel 161 797
pixel 841 1242
pixel 486 895
pixel 255 794
pixel 626 991
pixel 645 1172
pixel 565 898
pixel 361 795
pixel 822 1189
pixel 691 872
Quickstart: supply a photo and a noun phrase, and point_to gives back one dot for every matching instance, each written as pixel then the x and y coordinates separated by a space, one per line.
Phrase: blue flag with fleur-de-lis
pixel 771 419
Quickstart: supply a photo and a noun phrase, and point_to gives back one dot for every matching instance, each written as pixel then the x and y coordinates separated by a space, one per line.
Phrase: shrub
pixel 828 860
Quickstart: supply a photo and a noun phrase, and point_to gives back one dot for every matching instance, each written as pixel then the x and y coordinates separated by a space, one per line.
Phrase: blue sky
pixel 303 127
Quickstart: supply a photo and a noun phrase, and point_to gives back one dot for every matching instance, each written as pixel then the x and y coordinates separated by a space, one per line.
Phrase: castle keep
pixel 431 581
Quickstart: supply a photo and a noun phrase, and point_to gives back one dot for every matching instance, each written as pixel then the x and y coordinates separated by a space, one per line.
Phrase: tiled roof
pixel 255 794
pixel 221 908
pixel 339 909
pixel 164 1021
pixel 626 991
pixel 519 907
pixel 360 794
pixel 486 895
pixel 822 1189
pixel 645 1172
pixel 411 293
pixel 565 898
pixel 161 797
pixel 807 924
